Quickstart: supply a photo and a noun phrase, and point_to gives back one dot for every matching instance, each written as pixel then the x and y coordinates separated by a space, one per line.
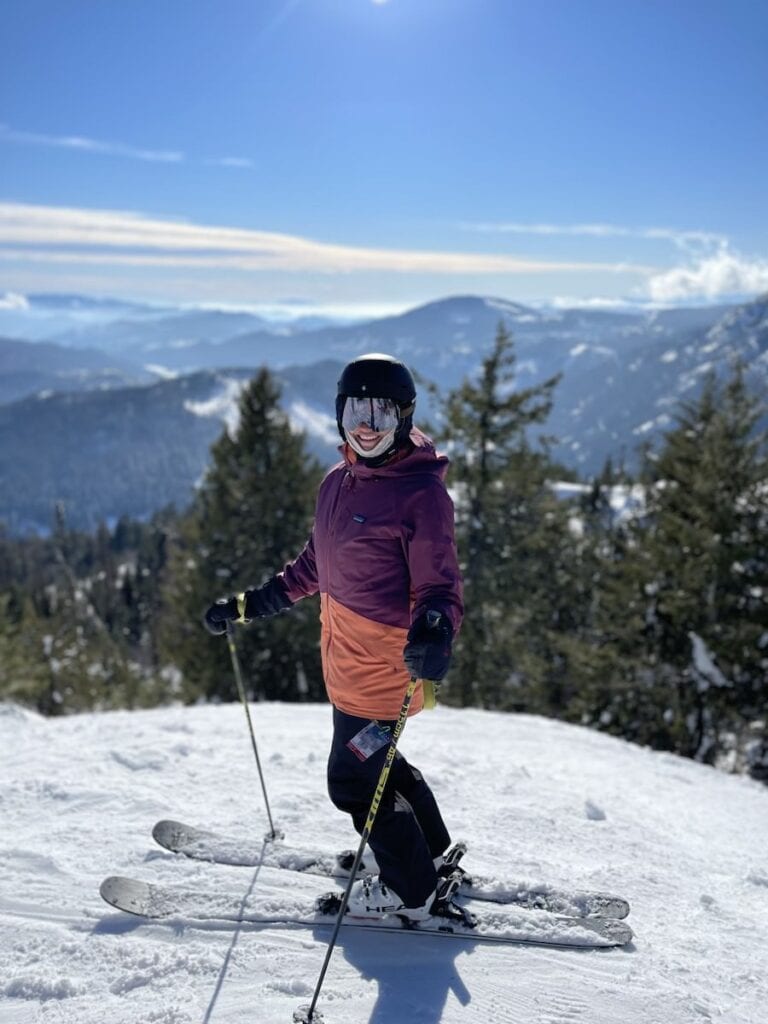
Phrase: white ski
pixel 211 846
pixel 497 925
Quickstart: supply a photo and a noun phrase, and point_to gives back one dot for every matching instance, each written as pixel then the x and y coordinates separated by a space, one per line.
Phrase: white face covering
pixel 378 414
pixel 378 449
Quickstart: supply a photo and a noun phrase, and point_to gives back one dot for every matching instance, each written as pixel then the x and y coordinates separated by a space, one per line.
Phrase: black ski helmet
pixel 377 375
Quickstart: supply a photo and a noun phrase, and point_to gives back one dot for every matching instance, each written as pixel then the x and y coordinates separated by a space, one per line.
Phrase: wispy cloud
pixel 598 303
pixel 100 147
pixel 682 239
pixel 81 238
pixel 64 235
pixel 87 145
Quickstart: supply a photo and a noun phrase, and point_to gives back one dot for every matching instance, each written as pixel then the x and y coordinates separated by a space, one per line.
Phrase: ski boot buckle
pixel 444 905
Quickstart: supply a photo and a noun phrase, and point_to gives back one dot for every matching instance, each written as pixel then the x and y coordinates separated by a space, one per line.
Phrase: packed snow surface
pixel 537 800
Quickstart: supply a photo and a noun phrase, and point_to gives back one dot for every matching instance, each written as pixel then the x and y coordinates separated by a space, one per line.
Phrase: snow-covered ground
pixel 538 800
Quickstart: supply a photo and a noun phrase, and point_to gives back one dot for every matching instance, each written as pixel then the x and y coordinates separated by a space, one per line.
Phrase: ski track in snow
pixel 539 801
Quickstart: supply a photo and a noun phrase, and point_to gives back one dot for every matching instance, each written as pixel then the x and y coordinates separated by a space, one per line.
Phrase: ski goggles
pixel 379 414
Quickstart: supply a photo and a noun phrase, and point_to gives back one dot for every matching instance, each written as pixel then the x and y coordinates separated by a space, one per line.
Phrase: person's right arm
pixel 298 579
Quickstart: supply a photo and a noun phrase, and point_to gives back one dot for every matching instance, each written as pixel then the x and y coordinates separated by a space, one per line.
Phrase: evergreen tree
pixel 76 617
pixel 63 660
pixel 130 573
pixel 709 543
pixel 606 648
pixel 513 541
pixel 23 678
pixel 683 597
pixel 253 513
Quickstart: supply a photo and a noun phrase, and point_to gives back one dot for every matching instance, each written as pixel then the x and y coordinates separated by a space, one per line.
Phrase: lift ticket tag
pixel 369 740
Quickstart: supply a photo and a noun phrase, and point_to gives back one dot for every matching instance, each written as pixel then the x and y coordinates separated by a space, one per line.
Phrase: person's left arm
pixel 430 549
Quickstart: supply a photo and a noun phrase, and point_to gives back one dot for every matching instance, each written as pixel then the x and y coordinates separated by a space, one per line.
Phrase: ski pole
pixel 306 1014
pixel 273 833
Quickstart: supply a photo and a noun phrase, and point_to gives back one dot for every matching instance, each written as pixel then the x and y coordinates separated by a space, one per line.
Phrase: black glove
pixel 257 604
pixel 427 655
pixel 218 615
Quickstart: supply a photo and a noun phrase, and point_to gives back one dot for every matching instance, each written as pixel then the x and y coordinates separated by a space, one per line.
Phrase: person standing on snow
pixel 383 556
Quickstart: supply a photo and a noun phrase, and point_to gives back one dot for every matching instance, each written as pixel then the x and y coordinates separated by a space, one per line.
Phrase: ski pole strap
pixel 430 694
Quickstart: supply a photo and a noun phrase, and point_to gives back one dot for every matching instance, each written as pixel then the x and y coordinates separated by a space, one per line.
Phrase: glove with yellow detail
pixel 427 654
pixel 252 604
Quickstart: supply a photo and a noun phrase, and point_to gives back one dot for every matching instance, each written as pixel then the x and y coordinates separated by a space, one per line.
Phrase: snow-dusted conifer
pixel 680 657
pixel 511 532
pixel 253 513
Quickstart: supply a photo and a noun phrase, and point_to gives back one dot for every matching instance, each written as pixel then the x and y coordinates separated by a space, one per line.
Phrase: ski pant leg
pixel 408 830
pixel 410 786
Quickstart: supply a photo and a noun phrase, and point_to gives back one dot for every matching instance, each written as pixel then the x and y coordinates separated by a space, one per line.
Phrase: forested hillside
pixel 652 624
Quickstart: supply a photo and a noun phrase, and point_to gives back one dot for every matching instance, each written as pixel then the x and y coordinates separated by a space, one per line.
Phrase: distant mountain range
pixel 134 328
pixel 131 451
pixel 35 368
pixel 134 395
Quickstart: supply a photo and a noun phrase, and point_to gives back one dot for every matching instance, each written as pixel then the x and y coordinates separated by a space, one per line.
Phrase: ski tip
pixel 620 931
pixel 133 897
pixel 616 907
pixel 166 825
pixel 109 884
pixel 113 886
pixel 105 888
pixel 172 834
pixel 610 930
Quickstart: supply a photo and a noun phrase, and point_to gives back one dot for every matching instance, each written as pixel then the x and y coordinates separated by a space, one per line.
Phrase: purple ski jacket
pixel 382 552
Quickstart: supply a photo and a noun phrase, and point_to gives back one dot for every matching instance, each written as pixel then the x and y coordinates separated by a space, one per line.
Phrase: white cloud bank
pixel 13 301
pixel 48 234
pixel 715 269
pixel 724 274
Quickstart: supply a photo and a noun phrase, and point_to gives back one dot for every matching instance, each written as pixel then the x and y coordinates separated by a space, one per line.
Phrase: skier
pixel 383 556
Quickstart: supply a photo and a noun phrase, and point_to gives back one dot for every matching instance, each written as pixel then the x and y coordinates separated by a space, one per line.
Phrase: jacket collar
pixel 418 455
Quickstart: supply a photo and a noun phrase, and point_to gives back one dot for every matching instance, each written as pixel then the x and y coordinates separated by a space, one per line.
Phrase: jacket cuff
pixel 267 600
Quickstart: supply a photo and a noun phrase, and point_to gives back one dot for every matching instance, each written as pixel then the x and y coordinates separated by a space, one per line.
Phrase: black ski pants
pixel 408 831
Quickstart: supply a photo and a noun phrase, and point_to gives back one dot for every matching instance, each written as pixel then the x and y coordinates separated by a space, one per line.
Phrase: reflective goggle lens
pixel 380 414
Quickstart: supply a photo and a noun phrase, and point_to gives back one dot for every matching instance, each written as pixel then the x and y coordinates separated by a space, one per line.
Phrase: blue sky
pixel 352 154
